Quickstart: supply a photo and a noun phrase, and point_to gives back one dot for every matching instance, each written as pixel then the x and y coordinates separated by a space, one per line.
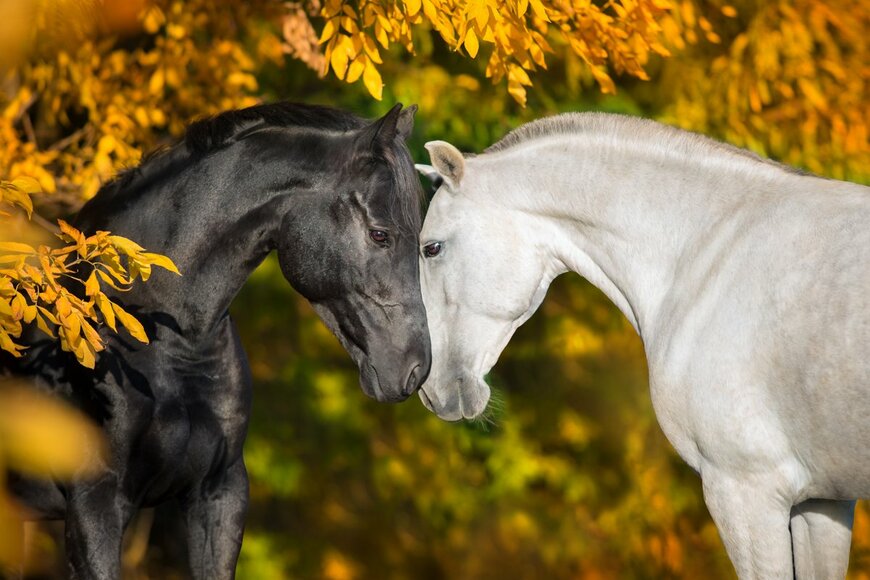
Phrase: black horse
pixel 338 198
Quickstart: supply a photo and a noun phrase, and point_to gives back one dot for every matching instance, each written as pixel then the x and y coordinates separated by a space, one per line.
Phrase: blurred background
pixel 569 476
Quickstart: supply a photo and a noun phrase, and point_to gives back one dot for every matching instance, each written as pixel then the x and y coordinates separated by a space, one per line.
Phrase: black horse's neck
pixel 215 208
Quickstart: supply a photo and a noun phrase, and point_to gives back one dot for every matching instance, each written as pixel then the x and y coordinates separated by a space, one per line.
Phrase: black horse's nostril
pixel 413 383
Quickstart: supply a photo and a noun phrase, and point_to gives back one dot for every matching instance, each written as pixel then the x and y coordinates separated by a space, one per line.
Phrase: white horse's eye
pixel 432 250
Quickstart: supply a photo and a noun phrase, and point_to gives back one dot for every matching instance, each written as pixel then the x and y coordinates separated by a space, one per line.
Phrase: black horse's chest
pixel 195 432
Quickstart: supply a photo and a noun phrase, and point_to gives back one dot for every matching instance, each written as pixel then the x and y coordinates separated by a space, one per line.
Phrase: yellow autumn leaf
pixel 329 30
pixel 338 57
pixel 71 329
pixel 540 11
pixel 356 68
pixel 155 85
pixel 518 75
pixel 77 237
pixel 153 20
pixel 413 6
pixel 27 184
pixel 44 437
pixel 381 35
pixel 92 286
pixel 15 247
pixel 107 144
pixel 85 354
pixel 117 282
pixel 29 313
pixel 522 7
pixel 604 80
pixel 11 194
pixel 133 326
pixel 105 307
pixel 331 8
pixel 372 81
pixel 140 269
pixel 9 345
pixel 161 260
pixel 125 245
pixel 48 314
pixel 385 23
pixel 471 44
pixel 42 323
pixel 372 49
pixel 518 92
pixel 92 336
pixel 110 261
pixel 17 304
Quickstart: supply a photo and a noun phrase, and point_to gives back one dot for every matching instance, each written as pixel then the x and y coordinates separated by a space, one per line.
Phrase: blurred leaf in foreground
pixel 40 436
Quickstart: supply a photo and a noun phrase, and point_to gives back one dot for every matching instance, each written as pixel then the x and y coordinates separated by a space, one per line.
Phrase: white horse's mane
pixel 627 129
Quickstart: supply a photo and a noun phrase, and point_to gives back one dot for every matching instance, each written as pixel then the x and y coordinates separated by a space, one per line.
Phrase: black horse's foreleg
pixel 215 513
pixel 96 516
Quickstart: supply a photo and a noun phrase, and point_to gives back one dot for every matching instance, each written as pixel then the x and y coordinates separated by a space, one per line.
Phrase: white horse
pixel 748 282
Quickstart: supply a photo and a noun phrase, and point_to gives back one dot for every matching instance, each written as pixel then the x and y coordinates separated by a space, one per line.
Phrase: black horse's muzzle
pixel 392 379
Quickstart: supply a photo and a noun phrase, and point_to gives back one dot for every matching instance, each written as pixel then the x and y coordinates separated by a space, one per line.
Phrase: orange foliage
pixel 75 111
pixel 621 34
pixel 791 84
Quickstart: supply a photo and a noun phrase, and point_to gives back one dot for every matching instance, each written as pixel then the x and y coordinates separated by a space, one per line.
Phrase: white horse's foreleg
pixel 753 523
pixel 821 533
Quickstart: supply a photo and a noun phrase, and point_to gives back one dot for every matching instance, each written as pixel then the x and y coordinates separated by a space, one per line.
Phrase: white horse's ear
pixel 447 161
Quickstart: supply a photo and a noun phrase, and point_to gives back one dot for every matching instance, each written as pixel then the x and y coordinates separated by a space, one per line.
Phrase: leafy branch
pixel 31 290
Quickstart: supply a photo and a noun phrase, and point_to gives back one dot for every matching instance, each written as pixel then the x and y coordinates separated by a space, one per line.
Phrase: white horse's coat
pixel 749 284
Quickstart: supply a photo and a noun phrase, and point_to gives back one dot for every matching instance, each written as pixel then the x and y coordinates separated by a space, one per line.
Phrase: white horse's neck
pixel 626 212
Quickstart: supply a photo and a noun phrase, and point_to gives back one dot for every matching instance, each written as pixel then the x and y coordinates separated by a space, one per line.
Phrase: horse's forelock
pixel 407 195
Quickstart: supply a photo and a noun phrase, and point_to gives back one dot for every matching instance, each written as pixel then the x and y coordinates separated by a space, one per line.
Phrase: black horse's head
pixel 350 247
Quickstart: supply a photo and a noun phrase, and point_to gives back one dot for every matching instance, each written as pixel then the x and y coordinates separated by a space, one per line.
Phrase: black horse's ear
pixel 405 125
pixel 384 130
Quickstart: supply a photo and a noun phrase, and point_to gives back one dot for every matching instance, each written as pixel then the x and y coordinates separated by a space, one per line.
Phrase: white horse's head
pixel 483 273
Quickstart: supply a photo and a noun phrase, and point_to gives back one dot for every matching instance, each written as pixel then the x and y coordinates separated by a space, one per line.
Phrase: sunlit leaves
pixel 17 193
pixel 81 108
pixel 32 288
pixel 186 62
pixel 619 34
pixel 791 84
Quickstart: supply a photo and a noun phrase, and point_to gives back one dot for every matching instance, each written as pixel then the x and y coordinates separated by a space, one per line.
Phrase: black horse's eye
pixel 432 250
pixel 380 236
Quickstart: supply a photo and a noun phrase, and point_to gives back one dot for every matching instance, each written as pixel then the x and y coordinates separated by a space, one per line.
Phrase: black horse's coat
pixel 312 183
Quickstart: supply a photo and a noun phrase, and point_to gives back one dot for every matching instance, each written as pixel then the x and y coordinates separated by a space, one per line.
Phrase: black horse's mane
pixel 216 132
